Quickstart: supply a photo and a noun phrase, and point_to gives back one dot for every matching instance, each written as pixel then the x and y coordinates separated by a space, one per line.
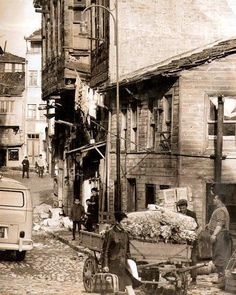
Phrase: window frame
pixel 10 69
pixel 13 158
pixel 210 121
pixel 34 110
pixel 17 65
pixel 33 79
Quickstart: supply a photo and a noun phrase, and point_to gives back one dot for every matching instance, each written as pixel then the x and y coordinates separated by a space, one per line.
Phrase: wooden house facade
pixel 12 92
pixel 169 134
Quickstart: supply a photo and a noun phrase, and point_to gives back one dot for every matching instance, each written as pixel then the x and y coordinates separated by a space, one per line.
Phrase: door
pixel 131 195
pixel 32 147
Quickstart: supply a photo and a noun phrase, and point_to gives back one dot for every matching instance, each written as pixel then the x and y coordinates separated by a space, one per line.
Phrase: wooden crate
pixel 91 240
pixel 160 251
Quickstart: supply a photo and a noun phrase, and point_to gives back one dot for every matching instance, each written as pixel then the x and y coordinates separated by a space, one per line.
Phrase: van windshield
pixel 11 198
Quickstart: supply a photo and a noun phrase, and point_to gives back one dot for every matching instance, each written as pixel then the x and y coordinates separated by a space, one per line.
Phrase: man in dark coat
pixel 220 238
pixel 25 167
pixel 77 214
pixel 182 205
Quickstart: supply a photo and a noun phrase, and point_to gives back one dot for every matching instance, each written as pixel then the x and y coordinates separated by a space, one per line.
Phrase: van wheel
pixel 20 256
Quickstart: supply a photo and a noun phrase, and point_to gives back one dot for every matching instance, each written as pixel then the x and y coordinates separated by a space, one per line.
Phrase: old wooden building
pixel 169 85
pixel 65 76
pixel 162 139
pixel 12 86
pixel 169 130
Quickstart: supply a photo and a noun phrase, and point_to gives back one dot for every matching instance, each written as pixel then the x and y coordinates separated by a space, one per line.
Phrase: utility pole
pixel 219 139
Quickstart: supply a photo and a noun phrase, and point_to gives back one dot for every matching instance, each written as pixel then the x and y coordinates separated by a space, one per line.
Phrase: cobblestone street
pixel 55 264
pixel 50 268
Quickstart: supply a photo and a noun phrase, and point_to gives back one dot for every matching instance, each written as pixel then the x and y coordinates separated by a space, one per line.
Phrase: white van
pixel 16 218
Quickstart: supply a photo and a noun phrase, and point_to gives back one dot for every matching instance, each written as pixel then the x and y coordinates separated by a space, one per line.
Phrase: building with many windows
pixel 167 98
pixel 12 91
pixel 35 119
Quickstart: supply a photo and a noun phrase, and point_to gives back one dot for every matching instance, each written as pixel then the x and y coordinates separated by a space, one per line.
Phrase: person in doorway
pixel 220 238
pixel 40 165
pixel 77 215
pixel 25 167
pixel 93 209
pixel 182 206
pixel 116 251
pixel 89 221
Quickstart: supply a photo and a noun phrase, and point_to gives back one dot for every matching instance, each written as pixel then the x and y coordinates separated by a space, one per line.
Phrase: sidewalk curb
pixel 68 243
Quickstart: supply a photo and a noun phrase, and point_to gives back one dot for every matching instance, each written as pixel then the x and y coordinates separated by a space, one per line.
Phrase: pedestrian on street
pixel 182 206
pixel 77 215
pixel 25 167
pixel 40 164
pixel 116 251
pixel 220 238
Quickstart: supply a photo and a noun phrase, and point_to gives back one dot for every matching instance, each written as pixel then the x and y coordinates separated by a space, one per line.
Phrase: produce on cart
pixel 160 225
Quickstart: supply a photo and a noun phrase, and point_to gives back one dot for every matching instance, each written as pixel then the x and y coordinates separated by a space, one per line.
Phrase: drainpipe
pixel 219 140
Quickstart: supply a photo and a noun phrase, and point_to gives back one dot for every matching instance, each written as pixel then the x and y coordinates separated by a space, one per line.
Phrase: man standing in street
pixel 25 167
pixel 77 214
pixel 220 238
pixel 41 165
pixel 183 208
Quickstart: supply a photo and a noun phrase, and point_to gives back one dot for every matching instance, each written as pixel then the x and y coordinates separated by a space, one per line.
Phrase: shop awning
pixel 88 147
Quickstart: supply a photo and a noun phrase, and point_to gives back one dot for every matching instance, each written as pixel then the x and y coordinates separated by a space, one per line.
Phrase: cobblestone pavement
pixel 50 268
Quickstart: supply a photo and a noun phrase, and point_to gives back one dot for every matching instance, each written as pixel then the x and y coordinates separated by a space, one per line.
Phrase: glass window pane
pixel 11 198
pixel 229 129
pixel 13 155
pixel 212 129
pixel 230 108
pixel 8 67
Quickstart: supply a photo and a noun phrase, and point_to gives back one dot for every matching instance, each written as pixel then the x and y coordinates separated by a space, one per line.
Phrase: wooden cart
pixel 163 267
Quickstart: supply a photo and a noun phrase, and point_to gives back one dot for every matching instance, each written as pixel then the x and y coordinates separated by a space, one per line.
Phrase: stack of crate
pixel 168 198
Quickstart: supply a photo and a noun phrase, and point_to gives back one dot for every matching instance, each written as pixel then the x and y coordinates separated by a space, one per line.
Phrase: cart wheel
pixel 89 270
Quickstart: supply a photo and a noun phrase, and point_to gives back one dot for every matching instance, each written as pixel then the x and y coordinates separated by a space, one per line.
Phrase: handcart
pixel 162 267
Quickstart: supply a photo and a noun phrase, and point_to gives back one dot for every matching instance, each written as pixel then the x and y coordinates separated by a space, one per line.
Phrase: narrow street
pixel 51 267
pixel 54 267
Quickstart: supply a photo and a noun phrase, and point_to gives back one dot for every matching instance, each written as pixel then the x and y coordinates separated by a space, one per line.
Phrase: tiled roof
pixel 35 36
pixel 173 67
pixel 9 57
pixel 12 84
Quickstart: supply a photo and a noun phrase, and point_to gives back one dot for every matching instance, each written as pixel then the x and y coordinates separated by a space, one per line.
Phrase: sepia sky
pixel 17 20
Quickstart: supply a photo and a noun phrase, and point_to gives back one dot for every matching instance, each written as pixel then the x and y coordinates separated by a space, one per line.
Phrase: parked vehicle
pixel 16 218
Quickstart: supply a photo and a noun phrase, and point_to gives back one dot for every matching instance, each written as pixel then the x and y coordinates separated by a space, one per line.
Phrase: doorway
pixel 131 195
pixel 150 194
pixel 229 191
pixel 3 157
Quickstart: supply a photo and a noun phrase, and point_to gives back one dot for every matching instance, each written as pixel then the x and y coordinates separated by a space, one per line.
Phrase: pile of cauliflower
pixel 160 225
